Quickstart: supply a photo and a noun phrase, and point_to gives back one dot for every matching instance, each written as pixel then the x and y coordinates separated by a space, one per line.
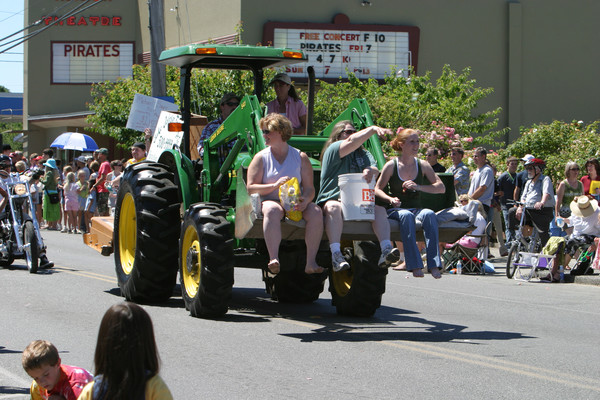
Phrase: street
pixel 461 337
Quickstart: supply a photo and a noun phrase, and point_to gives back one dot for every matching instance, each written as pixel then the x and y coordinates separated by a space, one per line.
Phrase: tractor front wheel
pixel 206 260
pixel 146 231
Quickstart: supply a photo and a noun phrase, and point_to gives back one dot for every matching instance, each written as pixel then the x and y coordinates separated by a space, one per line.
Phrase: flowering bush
pixel 556 143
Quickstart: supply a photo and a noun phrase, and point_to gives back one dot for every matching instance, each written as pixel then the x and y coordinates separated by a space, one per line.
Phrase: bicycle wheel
pixel 514 256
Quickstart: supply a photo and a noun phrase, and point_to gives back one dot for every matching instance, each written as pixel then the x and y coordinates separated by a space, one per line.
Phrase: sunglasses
pixel 266 131
pixel 529 168
pixel 348 131
pixel 232 104
pixel 574 169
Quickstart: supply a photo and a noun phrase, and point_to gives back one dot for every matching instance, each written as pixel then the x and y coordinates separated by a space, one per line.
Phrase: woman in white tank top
pixel 271 168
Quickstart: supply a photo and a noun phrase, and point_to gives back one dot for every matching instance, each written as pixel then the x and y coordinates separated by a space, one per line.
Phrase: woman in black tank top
pixel 400 184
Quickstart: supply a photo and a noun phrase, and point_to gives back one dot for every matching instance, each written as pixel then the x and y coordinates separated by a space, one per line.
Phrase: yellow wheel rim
pixel 127 233
pixel 342 282
pixel 190 258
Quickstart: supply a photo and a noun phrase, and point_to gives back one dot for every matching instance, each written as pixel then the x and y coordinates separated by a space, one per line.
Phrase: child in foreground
pixel 51 379
pixel 126 361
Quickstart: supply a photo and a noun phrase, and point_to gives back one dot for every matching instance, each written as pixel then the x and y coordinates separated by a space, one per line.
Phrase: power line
pixel 64 17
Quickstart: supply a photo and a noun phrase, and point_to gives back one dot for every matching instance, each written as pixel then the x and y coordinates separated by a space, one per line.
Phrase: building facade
pixel 540 67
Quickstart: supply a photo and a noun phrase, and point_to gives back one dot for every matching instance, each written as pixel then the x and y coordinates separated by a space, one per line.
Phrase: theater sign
pixel 334 50
pixel 89 62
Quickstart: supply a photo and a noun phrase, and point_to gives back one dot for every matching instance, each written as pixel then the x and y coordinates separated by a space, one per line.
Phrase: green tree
pixel 442 110
pixel 556 143
pixel 417 102
pixel 4 89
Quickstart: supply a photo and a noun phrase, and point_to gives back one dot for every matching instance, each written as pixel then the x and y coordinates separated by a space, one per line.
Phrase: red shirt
pixel 104 170
pixel 71 383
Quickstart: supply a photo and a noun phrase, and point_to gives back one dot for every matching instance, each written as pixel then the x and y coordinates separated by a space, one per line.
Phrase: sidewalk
pixel 500 267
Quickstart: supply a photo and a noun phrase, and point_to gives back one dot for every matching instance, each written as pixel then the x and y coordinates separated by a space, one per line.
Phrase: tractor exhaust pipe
pixel 311 100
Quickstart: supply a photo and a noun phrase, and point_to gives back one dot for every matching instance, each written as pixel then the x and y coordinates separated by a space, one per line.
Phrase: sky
pixel 11 62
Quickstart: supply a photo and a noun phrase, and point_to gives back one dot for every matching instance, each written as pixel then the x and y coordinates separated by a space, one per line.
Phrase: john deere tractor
pixel 195 217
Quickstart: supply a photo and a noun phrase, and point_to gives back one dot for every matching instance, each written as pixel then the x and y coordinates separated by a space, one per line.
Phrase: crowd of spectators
pixel 87 186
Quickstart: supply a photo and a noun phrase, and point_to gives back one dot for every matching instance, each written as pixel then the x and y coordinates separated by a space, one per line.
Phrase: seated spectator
pixel 480 223
pixel 51 378
pixel 271 168
pixel 126 359
pixel 585 220
pixel 343 153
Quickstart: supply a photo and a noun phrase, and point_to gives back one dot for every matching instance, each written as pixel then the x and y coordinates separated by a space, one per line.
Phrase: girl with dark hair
pixel 126 361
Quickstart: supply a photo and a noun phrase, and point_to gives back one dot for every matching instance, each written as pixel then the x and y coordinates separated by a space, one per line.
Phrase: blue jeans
pixel 407 219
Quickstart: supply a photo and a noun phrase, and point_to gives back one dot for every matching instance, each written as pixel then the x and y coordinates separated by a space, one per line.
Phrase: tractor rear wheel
pixel 358 291
pixel 292 284
pixel 146 231
pixel 206 260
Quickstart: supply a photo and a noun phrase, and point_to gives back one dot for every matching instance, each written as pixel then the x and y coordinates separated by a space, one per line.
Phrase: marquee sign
pixel 90 62
pixel 368 51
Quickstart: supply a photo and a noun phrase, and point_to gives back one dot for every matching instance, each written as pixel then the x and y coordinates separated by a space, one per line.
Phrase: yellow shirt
pixel 156 389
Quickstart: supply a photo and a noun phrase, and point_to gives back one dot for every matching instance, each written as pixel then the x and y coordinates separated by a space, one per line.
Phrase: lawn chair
pixel 529 266
pixel 472 259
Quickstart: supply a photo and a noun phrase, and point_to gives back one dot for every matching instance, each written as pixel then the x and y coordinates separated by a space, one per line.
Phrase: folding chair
pixel 472 259
pixel 530 265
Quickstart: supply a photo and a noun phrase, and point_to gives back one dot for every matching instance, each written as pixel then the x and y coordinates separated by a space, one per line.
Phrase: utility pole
pixel 157 45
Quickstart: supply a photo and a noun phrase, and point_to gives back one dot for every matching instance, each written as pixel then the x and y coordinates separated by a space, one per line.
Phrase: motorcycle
pixel 20 236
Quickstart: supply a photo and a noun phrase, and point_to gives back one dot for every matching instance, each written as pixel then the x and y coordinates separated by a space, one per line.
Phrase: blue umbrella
pixel 75 141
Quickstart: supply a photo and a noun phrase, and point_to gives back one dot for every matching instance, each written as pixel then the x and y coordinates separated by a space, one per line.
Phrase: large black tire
pixel 292 284
pixel 206 260
pixel 358 290
pixel 514 255
pixel 6 259
pixel 32 251
pixel 146 232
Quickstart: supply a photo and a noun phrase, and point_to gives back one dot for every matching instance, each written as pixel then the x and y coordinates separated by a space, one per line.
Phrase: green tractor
pixel 195 217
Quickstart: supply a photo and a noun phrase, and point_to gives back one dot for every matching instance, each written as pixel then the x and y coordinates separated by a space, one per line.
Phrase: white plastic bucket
pixel 357 197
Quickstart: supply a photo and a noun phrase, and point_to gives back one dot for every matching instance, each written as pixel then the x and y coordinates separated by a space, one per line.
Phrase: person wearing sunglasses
pixel 568 189
pixel 288 103
pixel 269 169
pixel 228 104
pixel 506 186
pixel 538 200
pixel 343 153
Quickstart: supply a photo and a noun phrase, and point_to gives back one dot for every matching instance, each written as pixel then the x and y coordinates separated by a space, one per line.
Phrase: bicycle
pixel 522 244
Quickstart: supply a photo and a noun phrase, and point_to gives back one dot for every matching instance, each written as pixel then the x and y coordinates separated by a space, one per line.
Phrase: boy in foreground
pixel 51 379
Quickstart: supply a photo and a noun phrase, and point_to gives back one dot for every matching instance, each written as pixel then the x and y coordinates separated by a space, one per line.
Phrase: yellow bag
pixel 289 195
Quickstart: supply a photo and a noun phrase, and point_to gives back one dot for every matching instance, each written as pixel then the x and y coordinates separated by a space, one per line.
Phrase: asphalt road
pixel 462 337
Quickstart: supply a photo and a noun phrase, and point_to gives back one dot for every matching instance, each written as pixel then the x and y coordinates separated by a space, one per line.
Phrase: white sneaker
pixel 339 262
pixel 389 256
pixel 64 230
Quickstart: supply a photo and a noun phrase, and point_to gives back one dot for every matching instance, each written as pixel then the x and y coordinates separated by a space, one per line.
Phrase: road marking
pixel 496 299
pixel 87 274
pixel 16 379
pixel 461 356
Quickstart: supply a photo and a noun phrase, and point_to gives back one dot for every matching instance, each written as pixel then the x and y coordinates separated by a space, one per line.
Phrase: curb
pixel 594 280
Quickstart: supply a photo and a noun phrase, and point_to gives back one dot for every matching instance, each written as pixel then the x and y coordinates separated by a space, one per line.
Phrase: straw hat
pixel 583 206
